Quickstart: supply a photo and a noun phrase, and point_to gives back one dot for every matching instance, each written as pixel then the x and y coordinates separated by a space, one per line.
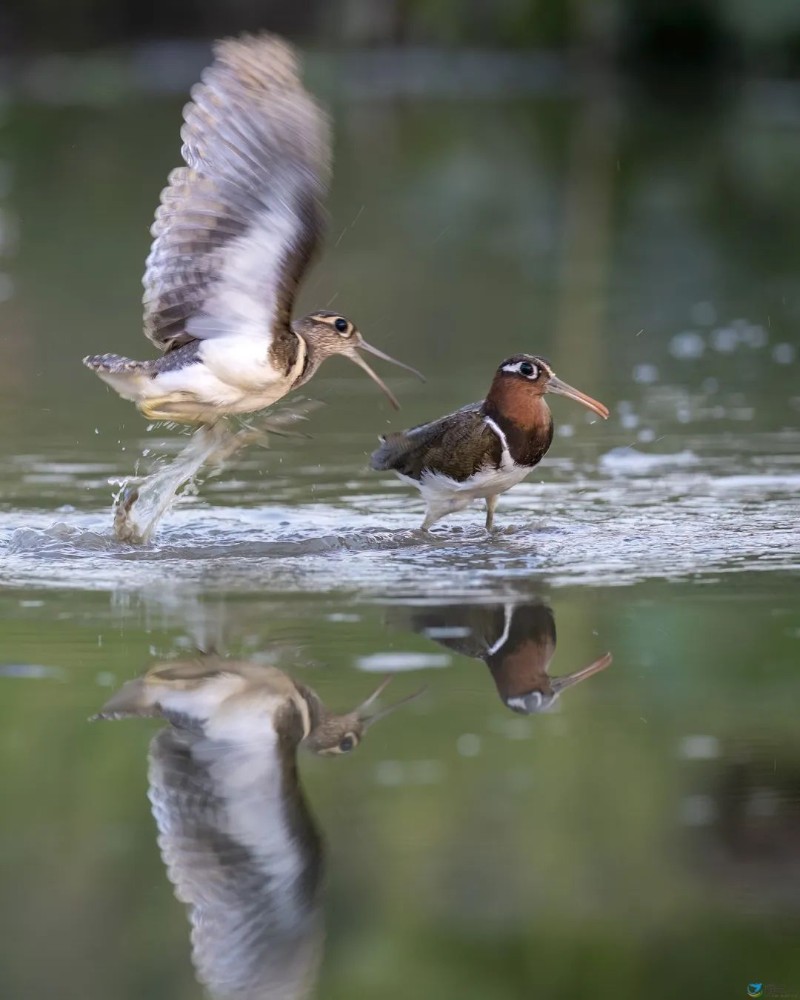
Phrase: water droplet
pixel 646 434
pixel 629 421
pixel 645 374
pixel 566 430
pixel 755 336
pixel 784 354
pixel 687 345
pixel 724 339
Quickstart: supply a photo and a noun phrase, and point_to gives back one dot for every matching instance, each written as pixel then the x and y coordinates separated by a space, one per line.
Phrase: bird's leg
pixel 178 407
pixel 435 513
pixel 279 423
pixel 491 503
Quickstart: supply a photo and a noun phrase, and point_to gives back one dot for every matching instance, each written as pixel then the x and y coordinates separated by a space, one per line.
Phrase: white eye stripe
pixel 515 369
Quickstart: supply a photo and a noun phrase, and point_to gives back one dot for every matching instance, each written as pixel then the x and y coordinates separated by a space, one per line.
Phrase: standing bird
pixel 235 831
pixel 233 236
pixel 485 448
pixel 517 643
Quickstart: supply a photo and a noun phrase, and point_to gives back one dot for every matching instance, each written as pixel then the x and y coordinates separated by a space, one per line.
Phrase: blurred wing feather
pixel 255 928
pixel 238 225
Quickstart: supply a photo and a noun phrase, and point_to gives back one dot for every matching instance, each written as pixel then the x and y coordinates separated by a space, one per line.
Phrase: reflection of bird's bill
pixel 370 718
pixel 356 358
pixel 560 684
pixel 561 388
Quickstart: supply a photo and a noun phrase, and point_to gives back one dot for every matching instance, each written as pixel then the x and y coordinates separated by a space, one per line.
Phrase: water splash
pixel 141 503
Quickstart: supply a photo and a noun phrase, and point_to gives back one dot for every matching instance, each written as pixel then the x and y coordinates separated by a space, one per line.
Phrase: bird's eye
pixel 527 369
pixel 346 744
pixel 341 325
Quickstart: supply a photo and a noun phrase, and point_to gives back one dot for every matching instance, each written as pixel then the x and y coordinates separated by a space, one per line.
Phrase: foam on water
pixel 629 460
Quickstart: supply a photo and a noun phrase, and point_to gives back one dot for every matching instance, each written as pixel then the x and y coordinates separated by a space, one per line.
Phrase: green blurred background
pixel 683 33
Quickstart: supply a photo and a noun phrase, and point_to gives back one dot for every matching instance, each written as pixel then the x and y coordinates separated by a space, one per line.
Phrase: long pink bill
pixel 560 684
pixel 563 389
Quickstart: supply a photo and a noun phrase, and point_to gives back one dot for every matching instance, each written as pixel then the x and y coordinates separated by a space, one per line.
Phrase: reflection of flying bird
pixel 235 232
pixel 515 641
pixel 485 448
pixel 237 837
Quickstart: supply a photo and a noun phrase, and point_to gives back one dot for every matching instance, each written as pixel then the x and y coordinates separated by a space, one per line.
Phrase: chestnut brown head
pixel 535 375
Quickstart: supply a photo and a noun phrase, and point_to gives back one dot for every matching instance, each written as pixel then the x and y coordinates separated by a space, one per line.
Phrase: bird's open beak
pixel 560 684
pixel 356 358
pixel 562 389
pixel 370 718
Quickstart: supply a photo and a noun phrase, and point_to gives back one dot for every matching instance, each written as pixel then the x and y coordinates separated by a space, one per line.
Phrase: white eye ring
pixel 516 369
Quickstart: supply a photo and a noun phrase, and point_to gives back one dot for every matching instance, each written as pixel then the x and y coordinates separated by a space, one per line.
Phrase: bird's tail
pixel 127 377
pixel 392 449
pixel 134 698
pixel 113 364
pixel 189 688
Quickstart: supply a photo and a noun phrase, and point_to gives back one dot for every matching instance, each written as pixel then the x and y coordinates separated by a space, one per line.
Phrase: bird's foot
pixel 125 529
pixel 176 410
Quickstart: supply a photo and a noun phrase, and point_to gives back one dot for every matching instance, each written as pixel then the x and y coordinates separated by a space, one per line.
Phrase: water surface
pixel 639 839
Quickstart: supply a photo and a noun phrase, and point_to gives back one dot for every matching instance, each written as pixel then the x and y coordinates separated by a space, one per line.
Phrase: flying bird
pixel 234 235
pixel 485 448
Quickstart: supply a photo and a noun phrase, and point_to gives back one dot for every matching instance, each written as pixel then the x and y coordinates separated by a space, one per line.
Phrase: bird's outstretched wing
pixel 238 225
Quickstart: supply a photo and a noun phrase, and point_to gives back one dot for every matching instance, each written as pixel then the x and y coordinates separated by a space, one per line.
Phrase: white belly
pixel 206 388
pixel 233 374
pixel 488 482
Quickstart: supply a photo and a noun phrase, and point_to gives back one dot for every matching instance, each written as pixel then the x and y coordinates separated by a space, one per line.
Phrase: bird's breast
pixel 522 444
pixel 247 368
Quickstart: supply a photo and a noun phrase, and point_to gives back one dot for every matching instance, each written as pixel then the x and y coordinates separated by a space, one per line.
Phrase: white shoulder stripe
pixel 503 440
pixel 508 612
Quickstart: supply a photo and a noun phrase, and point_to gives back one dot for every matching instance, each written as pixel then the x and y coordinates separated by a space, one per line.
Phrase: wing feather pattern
pixel 238 225
pixel 248 875
pixel 440 445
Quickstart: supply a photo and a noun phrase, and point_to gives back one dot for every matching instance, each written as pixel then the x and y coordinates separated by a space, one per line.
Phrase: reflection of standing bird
pixel 515 641
pixel 235 232
pixel 485 448
pixel 237 837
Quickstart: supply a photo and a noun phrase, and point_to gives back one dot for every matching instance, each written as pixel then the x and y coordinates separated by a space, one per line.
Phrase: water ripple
pixel 670 520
